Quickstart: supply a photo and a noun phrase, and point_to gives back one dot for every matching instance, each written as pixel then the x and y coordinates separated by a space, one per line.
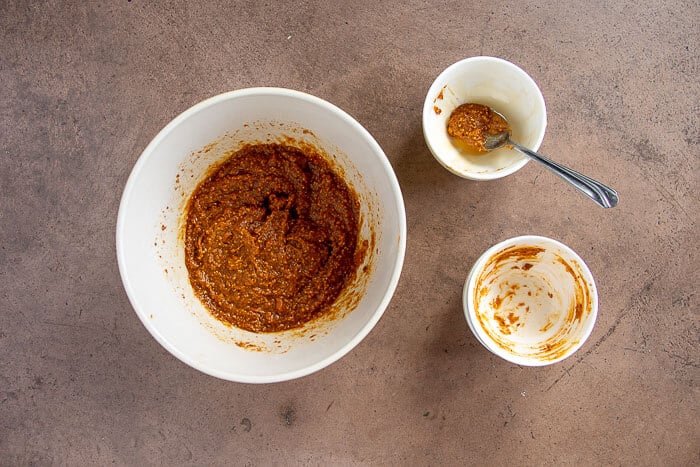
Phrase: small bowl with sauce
pixel 492 82
pixel 530 300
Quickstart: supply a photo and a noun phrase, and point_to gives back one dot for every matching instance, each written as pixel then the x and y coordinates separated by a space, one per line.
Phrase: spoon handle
pixel 601 194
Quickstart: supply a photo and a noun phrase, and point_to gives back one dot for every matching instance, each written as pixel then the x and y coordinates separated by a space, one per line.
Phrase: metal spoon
pixel 601 194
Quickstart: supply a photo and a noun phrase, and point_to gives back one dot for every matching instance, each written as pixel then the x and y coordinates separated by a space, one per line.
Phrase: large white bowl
pixel 491 81
pixel 150 247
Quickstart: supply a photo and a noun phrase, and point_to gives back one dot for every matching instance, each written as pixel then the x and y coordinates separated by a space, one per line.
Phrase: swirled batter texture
pixel 271 238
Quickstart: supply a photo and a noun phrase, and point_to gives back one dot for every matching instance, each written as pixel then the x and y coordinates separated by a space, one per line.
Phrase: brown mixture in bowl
pixel 271 238
pixel 470 123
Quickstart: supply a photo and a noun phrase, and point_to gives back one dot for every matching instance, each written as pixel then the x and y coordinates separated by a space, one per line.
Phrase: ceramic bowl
pixel 489 81
pixel 531 300
pixel 150 239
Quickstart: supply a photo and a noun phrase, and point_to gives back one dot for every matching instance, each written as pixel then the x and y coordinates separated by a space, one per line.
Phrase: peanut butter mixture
pixel 271 238
pixel 470 123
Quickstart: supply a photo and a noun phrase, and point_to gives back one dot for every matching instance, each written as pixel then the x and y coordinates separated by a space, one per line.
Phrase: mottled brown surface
pixel 86 85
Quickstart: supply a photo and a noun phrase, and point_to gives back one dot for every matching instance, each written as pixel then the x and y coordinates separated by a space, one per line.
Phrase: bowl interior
pixel 531 300
pixel 496 83
pixel 150 235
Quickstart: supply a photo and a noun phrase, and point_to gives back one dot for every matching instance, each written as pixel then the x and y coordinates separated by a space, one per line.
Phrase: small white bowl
pixel 489 81
pixel 531 300
pixel 150 245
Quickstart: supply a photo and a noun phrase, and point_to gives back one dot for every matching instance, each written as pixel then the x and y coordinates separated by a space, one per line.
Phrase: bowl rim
pixel 470 313
pixel 427 108
pixel 398 205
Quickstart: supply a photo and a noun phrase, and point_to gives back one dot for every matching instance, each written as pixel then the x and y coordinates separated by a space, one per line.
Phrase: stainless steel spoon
pixel 601 194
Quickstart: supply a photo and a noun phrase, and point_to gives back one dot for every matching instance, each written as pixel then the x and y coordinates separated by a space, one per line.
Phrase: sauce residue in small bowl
pixel 534 302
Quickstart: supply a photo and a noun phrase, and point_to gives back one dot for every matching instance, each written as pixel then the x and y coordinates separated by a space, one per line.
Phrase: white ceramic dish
pixel 496 83
pixel 150 247
pixel 531 300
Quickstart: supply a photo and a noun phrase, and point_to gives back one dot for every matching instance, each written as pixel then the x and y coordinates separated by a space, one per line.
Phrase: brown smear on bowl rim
pixel 256 347
pixel 440 97
pixel 557 345
pixel 519 253
pixel 187 179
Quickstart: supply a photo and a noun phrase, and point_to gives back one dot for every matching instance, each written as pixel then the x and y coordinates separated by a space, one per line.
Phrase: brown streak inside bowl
pixel 557 345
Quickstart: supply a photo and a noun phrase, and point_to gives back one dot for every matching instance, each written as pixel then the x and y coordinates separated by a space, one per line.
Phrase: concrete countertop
pixel 86 85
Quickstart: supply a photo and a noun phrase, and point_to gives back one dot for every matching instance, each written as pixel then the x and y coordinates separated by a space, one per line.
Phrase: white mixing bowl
pixel 150 243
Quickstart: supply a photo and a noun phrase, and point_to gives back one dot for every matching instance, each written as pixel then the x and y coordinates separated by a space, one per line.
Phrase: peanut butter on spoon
pixel 471 123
